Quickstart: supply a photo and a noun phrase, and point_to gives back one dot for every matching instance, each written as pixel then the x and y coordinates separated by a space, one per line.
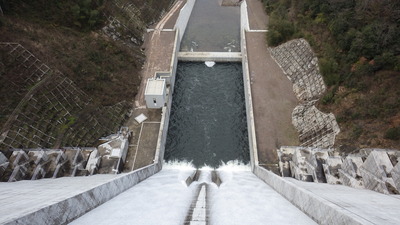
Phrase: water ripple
pixel 208 116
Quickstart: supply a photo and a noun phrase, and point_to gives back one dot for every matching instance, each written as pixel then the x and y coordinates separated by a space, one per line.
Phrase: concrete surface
pixel 258 19
pixel 242 198
pixel 147 145
pixel 273 101
pixel 172 18
pixel 135 158
pixel 161 199
pixel 63 199
pixel 159 55
pixel 335 204
pixel 244 25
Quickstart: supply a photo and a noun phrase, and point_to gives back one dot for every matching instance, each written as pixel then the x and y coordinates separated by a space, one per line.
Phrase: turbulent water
pixel 212 28
pixel 208 116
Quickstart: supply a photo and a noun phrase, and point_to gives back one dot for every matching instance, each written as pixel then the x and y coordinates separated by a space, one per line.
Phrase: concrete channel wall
pixel 166 110
pixel 180 27
pixel 244 26
pixel 183 18
pixel 244 17
pixel 210 56
pixel 64 199
pixel 319 209
pixel 334 204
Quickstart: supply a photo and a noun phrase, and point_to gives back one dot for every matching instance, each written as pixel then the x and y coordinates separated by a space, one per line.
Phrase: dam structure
pixel 210 164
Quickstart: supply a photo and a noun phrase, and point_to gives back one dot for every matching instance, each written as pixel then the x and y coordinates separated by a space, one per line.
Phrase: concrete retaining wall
pixel 63 199
pixel 166 110
pixel 180 27
pixel 244 25
pixel 174 61
pixel 322 210
pixel 183 18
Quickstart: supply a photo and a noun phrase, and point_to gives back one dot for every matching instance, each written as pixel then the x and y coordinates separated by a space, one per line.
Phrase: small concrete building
pixel 156 93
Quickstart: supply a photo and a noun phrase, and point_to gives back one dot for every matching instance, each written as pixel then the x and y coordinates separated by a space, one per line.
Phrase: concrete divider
pixel 244 25
pixel 210 56
pixel 183 18
pixel 180 27
pixel 166 110
pixel 244 17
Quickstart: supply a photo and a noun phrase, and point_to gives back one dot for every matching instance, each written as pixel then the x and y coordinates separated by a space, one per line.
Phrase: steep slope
pixel 91 52
pixel 359 56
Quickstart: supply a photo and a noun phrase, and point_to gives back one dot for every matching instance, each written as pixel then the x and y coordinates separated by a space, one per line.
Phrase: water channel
pixel 208 115
pixel 212 28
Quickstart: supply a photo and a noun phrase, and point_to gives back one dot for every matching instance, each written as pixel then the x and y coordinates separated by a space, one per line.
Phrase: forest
pixel 358 46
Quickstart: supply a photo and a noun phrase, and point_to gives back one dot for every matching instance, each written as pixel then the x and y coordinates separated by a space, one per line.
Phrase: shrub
pixel 357 131
pixel 82 14
pixel 386 61
pixel 280 31
pixel 85 13
pixel 393 133
pixel 329 68
pixel 329 97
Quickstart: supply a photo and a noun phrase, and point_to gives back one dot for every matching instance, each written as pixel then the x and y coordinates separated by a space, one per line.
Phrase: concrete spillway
pixel 156 195
pixel 165 199
pixel 161 199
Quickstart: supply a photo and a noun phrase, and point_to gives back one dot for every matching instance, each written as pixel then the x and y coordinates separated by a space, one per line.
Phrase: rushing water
pixel 208 116
pixel 212 28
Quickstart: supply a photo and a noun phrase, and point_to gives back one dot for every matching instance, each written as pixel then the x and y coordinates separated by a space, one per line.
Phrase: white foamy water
pixel 161 199
pixel 243 198
pixel 209 63
pixel 165 199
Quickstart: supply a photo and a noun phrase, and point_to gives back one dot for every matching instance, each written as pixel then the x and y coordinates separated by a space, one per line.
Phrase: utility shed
pixel 156 93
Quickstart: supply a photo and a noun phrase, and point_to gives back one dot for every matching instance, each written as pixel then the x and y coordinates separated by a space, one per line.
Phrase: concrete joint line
pixel 137 147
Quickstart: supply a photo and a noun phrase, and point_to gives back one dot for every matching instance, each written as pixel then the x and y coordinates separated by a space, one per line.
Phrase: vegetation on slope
pixel 66 35
pixel 358 46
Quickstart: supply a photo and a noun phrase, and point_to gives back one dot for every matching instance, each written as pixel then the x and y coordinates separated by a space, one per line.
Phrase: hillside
pixel 93 52
pixel 359 56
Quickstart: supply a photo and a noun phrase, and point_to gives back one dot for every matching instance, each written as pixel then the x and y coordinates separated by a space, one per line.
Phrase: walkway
pixel 159 49
pixel 143 142
pixel 272 92
pixel 159 46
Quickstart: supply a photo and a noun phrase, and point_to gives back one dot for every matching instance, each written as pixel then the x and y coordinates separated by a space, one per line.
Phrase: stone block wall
pixel 299 63
pixel 316 129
